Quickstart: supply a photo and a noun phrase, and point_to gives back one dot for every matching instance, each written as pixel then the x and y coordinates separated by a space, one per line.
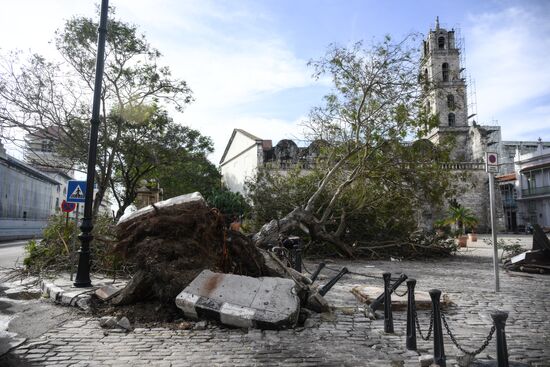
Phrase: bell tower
pixel 446 88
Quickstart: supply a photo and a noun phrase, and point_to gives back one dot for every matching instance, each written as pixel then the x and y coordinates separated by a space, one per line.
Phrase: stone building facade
pixel 443 72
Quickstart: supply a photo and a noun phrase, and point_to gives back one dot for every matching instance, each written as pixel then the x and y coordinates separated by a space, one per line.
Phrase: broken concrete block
pixel 107 292
pixel 242 301
pixel 423 301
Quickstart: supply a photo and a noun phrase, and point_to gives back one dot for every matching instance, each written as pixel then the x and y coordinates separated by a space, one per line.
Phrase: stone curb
pixel 59 295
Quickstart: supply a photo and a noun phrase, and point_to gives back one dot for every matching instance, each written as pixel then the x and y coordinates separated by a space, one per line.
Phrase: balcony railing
pixel 533 191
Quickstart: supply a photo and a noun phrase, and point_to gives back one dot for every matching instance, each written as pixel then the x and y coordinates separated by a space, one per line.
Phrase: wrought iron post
pixel 439 349
pixel 333 281
pixel 388 317
pixel 83 271
pixel 411 311
pixel 499 319
pixel 317 271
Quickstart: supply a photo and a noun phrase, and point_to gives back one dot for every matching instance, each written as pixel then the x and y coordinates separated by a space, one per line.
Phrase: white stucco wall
pixel 240 162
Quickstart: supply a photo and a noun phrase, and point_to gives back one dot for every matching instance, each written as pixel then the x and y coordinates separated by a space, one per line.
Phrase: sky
pixel 246 61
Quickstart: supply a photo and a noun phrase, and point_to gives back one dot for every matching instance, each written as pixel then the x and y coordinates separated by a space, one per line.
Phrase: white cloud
pixel 226 51
pixel 229 57
pixel 507 55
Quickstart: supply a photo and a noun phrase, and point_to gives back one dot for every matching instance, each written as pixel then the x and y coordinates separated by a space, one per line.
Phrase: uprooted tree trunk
pixel 304 217
pixel 305 220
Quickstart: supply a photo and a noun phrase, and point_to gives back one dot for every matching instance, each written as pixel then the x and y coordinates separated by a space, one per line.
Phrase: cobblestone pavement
pixel 346 338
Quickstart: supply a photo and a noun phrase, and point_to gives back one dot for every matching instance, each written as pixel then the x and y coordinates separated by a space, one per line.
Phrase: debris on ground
pixel 112 322
pixel 536 260
pixel 174 243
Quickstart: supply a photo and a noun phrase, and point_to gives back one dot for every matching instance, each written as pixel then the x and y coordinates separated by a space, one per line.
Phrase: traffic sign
pixel 76 191
pixel 491 162
pixel 67 207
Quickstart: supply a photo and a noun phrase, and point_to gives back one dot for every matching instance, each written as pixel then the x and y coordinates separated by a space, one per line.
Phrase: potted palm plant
pixel 460 217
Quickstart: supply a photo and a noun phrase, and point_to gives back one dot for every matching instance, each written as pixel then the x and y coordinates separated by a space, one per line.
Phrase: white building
pixel 533 187
pixel 243 154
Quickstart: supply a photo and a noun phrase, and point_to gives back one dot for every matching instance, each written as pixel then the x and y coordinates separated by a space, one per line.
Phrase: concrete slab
pixel 237 300
pixel 423 301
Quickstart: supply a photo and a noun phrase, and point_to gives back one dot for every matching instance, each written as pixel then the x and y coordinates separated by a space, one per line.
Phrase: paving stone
pixel 341 339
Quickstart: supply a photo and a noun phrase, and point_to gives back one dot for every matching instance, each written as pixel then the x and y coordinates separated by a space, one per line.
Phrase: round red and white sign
pixel 492 159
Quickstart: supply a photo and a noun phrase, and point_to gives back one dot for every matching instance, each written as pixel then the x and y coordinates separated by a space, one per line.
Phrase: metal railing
pixel 532 191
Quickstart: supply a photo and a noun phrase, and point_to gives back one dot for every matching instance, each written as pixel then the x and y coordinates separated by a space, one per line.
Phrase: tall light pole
pixel 83 272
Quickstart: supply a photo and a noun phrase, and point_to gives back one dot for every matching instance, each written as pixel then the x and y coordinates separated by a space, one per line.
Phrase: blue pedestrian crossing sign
pixel 76 191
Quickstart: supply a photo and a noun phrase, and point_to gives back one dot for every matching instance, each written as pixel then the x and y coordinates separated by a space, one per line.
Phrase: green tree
pixel 52 101
pixel 376 104
pixel 151 145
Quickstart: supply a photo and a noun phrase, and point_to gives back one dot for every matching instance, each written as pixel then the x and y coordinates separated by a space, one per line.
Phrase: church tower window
pixel 451 119
pixel 441 43
pixel 451 102
pixel 445 71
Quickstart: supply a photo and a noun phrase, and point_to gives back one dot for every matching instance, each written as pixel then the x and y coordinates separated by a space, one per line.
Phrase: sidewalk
pixel 344 338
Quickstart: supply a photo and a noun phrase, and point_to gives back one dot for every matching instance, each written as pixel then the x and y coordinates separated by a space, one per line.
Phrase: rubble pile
pixel 172 241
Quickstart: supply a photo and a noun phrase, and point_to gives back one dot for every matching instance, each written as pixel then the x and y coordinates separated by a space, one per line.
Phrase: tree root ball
pixel 171 242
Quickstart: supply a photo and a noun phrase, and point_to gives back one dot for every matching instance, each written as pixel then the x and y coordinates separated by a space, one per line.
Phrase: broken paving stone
pixel 124 323
pixel 422 299
pixel 83 302
pixel 201 325
pixel 242 301
pixel 107 292
pixel 108 322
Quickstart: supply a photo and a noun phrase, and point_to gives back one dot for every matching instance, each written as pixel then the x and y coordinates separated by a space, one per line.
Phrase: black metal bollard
pixel 439 350
pixel 380 299
pixel 388 317
pixel 411 308
pixel 317 271
pixel 298 258
pixel 333 281
pixel 499 319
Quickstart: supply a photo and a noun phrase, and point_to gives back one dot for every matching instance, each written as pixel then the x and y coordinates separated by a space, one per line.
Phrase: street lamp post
pixel 83 272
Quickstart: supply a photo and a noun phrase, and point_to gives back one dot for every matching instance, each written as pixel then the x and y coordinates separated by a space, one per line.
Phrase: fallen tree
pixel 369 183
